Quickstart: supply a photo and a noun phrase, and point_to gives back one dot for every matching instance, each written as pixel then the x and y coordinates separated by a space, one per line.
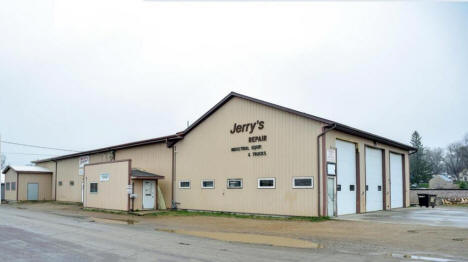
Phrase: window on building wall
pixel 72 183
pixel 207 183
pixel 184 184
pixel 93 187
pixel 13 186
pixel 266 183
pixel 59 183
pixel 303 182
pixel 233 183
pixel 7 186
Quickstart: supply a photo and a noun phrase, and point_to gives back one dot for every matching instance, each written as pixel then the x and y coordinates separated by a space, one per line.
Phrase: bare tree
pixel 2 161
pixel 435 158
pixel 454 159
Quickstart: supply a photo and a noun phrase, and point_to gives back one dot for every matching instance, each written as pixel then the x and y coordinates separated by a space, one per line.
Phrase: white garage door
pixel 374 198
pixel 396 180
pixel 346 177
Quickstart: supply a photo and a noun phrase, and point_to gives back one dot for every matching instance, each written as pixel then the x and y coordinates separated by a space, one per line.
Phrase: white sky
pixel 87 74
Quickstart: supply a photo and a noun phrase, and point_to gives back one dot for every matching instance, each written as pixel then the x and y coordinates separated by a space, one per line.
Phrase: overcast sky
pixel 86 74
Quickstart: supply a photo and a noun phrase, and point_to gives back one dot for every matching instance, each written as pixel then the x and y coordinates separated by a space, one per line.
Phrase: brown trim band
pixel 358 180
pixel 107 162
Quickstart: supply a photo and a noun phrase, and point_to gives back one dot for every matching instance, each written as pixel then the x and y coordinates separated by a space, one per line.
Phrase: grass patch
pixel 235 215
pixel 68 203
pixel 108 211
pixel 31 202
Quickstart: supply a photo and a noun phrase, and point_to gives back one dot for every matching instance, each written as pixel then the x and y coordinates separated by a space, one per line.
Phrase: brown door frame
pixel 384 181
pixel 403 172
pixel 325 176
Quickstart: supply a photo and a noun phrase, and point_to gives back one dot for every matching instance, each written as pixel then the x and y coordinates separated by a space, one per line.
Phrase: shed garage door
pixel 374 197
pixel 346 177
pixel 396 180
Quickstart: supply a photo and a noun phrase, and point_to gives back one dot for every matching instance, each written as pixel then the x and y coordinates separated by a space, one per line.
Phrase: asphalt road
pixel 28 235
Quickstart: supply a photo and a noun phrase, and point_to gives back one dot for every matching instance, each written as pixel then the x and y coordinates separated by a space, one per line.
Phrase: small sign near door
pixel 331 155
pixel 129 189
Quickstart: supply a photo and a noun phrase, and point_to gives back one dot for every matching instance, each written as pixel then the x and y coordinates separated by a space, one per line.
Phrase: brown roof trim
pixel 116 147
pixel 34 172
pixel 339 127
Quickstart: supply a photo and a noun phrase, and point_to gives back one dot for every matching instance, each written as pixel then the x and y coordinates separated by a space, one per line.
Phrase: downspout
pixel 325 130
pixel 17 186
pixel 56 174
pixel 174 204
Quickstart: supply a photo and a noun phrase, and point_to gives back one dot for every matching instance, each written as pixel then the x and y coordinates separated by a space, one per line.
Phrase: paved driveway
pixel 438 216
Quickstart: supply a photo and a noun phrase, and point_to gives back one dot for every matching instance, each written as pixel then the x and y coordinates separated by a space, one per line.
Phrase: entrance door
pixel 331 196
pixel 33 191
pixel 374 197
pixel 396 180
pixel 149 194
pixel 346 177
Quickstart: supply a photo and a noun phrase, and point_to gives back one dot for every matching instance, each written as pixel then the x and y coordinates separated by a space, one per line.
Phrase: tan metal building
pixel 250 156
pixel 27 183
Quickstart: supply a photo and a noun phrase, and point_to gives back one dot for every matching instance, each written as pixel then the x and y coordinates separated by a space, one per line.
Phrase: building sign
pixel 249 128
pixel 104 177
pixel 331 169
pixel 331 155
pixel 81 163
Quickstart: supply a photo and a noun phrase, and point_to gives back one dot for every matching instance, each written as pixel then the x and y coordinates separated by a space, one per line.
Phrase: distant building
pixel 441 182
pixel 463 175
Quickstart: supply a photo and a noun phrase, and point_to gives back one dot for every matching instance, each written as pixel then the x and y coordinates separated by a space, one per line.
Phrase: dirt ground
pixel 347 236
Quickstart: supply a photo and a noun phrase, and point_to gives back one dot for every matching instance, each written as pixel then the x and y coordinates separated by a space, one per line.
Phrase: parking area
pixel 381 236
pixel 438 216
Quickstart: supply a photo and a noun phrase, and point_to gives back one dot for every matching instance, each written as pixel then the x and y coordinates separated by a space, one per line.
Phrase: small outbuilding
pixel 27 183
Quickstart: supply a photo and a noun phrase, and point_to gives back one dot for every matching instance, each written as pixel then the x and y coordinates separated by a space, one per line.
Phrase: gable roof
pixel 337 126
pixel 172 139
pixel 111 148
pixel 27 169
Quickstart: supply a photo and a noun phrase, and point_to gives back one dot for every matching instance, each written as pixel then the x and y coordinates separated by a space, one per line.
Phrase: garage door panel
pixel 396 180
pixel 346 177
pixel 374 187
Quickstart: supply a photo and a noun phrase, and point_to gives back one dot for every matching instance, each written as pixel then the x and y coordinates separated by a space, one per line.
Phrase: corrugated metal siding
pixel 205 153
pixel 43 180
pixel 111 194
pixel 51 166
pixel 155 158
pixel 68 170
pixel 10 176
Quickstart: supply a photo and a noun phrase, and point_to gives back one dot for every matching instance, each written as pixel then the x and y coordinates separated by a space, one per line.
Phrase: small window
pixel 234 183
pixel 303 182
pixel 266 183
pixel 59 183
pixel 72 183
pixel 13 186
pixel 7 186
pixel 184 184
pixel 93 187
pixel 207 184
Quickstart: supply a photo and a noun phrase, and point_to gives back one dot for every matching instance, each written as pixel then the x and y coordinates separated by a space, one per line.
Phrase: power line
pixel 34 154
pixel 44 147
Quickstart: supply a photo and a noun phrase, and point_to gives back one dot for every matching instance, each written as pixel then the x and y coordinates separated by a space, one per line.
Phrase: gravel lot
pixel 111 237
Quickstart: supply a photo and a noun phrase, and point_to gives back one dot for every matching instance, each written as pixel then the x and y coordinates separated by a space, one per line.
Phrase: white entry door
pixel 346 177
pixel 374 197
pixel 149 194
pixel 396 180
